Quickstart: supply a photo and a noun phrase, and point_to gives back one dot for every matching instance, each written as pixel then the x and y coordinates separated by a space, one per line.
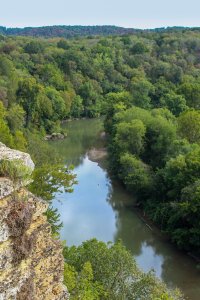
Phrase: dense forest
pixel 148 88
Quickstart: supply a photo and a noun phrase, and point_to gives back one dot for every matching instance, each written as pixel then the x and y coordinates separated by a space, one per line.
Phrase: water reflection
pixel 82 135
pixel 85 213
pixel 101 208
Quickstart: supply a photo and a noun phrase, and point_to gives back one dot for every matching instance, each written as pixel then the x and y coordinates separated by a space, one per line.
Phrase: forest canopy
pixel 146 84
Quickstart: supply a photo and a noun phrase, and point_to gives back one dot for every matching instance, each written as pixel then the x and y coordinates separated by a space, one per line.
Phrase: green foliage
pixel 57 102
pixel 52 76
pixel 53 218
pixel 175 103
pixel 135 174
pixel 140 90
pixel 191 91
pixel 139 48
pixel 41 152
pixel 130 136
pixel 189 126
pixel 63 44
pixel 77 107
pixel 159 135
pixel 15 117
pixel 27 97
pixel 20 141
pixel 81 285
pixel 55 79
pixel 95 270
pixel 33 47
pixel 67 31
pixel 49 176
pixel 51 179
pixel 5 134
pixel 148 86
pixel 16 170
pixel 159 168
pixel 6 66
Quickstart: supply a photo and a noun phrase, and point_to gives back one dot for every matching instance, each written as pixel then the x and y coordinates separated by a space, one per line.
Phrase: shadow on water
pixel 100 207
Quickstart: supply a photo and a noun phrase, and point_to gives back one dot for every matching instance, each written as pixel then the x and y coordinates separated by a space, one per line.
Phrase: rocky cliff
pixel 31 261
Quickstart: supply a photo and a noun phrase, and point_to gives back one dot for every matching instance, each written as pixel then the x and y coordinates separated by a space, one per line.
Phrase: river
pixel 100 207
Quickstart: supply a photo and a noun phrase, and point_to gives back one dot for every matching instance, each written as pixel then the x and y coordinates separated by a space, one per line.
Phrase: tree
pixel 51 75
pixel 6 66
pixel 141 89
pixel 136 176
pixel 112 99
pixel 180 172
pixel 15 117
pixel 20 141
pixel 175 103
pixel 81 285
pixel 139 48
pixel 34 47
pixel 5 134
pixel 111 272
pixel 49 180
pixel 57 102
pixel 191 92
pixel 189 126
pixel 27 97
pixel 130 136
pixel 68 97
pixel 63 44
pixel 90 92
pixel 160 138
pixel 77 107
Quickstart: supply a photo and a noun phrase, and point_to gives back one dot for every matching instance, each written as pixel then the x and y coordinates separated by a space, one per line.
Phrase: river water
pixel 100 207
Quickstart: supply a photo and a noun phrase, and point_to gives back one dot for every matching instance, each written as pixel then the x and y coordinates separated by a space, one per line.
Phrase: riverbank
pixel 95 154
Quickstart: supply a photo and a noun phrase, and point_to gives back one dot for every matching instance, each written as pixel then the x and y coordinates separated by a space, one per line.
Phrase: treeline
pixel 67 31
pixel 148 85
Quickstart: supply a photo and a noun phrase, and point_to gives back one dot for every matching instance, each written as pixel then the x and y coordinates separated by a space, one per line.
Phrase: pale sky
pixel 126 13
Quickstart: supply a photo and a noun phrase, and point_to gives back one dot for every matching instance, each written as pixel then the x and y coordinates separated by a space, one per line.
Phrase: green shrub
pixel 15 170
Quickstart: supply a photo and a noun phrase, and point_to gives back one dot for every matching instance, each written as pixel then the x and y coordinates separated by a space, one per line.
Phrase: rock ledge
pixel 31 261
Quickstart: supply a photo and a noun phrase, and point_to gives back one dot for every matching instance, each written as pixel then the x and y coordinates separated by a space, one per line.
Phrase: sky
pixel 126 13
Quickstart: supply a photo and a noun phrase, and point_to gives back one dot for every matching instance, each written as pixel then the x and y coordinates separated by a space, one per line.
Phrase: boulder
pixel 55 136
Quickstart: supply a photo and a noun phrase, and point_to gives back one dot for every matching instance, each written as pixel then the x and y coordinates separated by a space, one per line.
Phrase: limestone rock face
pixel 31 261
